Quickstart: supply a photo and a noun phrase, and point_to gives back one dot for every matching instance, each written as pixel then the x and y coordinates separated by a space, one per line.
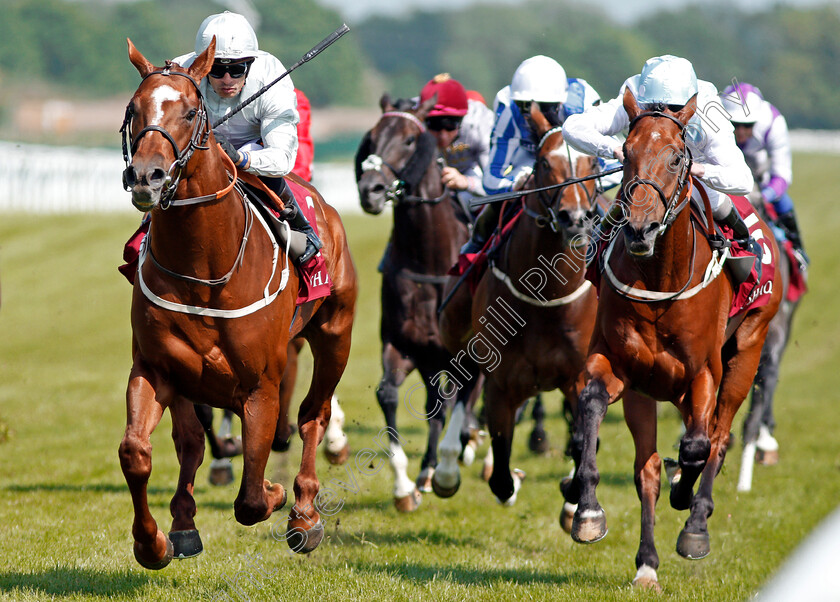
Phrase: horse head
pixel 395 154
pixel 566 209
pixel 656 171
pixel 165 122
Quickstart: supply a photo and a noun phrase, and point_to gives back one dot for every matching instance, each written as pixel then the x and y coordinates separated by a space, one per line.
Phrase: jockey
pixel 761 132
pixel 261 138
pixel 461 126
pixel 513 143
pixel 717 161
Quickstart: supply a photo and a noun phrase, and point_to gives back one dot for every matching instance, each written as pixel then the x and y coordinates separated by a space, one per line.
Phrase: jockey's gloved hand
pixel 239 158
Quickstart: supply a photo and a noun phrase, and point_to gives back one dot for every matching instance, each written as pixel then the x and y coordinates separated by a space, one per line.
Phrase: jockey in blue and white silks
pixel 717 161
pixel 513 143
pixel 761 133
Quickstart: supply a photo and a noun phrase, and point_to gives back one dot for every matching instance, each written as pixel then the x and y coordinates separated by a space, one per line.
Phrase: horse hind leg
pixel 187 433
pixel 336 444
pixel 146 401
pixel 501 418
pixel 284 431
pixel 538 439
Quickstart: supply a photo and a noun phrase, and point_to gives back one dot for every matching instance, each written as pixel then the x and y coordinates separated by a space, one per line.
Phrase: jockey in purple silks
pixel 762 135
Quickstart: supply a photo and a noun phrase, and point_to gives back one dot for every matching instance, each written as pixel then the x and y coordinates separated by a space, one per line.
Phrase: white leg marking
pixel 447 473
pixel 403 486
pixel 766 442
pixel 747 463
pixel 335 438
pixel 645 574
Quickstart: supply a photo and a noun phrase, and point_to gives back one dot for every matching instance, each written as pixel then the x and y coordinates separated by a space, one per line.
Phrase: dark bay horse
pixel 533 305
pixel 662 333
pixel 397 162
pixel 758 440
pixel 220 342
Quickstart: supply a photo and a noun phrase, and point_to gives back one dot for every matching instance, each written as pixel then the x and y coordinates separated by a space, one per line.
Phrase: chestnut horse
pixel 397 162
pixel 662 333
pixel 533 304
pixel 221 342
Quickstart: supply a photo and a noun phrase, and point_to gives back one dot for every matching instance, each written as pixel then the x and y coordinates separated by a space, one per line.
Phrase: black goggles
pixel 546 108
pixel 236 70
pixel 738 124
pixel 443 122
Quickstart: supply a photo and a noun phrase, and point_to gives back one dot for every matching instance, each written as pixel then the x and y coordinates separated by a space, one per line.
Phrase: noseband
pixel 402 185
pixel 198 139
pixel 673 206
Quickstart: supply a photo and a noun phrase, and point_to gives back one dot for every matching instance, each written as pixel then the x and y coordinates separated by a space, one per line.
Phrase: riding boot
pixel 734 220
pixel 297 221
pixel 789 224
pixel 484 225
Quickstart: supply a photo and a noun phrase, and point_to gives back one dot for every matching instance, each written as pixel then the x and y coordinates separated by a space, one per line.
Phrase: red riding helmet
pixel 451 96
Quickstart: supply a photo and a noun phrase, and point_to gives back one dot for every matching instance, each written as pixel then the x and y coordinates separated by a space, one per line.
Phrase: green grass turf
pixel 65 511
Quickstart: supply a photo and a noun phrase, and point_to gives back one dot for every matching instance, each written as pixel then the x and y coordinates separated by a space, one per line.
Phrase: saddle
pixel 275 210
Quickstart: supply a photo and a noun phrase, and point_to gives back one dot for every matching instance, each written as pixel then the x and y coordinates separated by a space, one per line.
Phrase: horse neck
pixel 532 247
pixel 669 267
pixel 203 238
pixel 426 236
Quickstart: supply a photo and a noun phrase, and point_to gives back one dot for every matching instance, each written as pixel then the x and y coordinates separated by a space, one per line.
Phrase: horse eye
pixel 191 115
pixel 409 141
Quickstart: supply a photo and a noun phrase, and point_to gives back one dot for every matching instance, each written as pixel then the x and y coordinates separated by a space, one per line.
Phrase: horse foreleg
pixel 602 388
pixel 501 419
pixel 396 368
pixel 698 408
pixel 146 399
pixel 447 477
pixel 188 435
pixel 257 497
pixel 435 416
pixel 640 416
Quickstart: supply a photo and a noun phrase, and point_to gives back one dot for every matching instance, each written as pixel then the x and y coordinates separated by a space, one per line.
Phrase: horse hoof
pixel 567 516
pixel 673 472
pixel 155 566
pixel 229 446
pixel 767 458
pixel 538 442
pixel 272 489
pixel 408 503
pixel 338 458
pixel 468 455
pixel 486 472
pixel 186 544
pixel 444 492
pixel 304 542
pixel 589 526
pixel 221 474
pixel 282 442
pixel 424 481
pixel 647 580
pixel 693 546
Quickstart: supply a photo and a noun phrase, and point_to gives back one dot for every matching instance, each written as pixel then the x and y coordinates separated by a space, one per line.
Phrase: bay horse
pixel 397 162
pixel 758 440
pixel 662 333
pixel 533 303
pixel 223 344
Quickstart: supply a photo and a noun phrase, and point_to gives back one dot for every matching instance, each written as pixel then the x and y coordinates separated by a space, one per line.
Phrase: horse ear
pixel 143 66
pixel 539 119
pixel 203 62
pixel 687 112
pixel 630 105
pixel 385 103
pixel 427 106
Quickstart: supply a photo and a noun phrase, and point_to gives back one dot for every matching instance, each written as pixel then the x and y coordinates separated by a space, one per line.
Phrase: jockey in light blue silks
pixel 669 81
pixel 761 132
pixel 513 143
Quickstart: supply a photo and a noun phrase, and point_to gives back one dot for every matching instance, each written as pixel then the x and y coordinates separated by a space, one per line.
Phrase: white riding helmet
pixel 742 104
pixel 541 79
pixel 235 38
pixel 667 79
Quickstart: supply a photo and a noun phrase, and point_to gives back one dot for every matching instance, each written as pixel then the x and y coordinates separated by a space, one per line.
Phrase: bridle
pixel 549 197
pixel 198 141
pixel 398 191
pixel 676 203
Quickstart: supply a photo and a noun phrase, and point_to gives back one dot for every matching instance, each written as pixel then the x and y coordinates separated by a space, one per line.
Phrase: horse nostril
pixel 129 177
pixel 377 188
pixel 157 176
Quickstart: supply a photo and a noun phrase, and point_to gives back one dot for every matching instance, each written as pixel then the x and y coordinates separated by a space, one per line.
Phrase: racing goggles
pixel 443 122
pixel 546 108
pixel 236 70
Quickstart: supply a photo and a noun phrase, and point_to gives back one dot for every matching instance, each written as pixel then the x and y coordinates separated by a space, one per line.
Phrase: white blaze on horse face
pixel 160 96
pixel 654 136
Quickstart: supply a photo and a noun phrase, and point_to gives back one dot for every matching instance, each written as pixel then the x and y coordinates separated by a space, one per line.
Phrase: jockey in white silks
pixel 513 143
pixel 717 161
pixel 761 133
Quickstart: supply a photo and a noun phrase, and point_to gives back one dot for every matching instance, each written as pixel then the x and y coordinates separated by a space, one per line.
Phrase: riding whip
pixel 318 49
